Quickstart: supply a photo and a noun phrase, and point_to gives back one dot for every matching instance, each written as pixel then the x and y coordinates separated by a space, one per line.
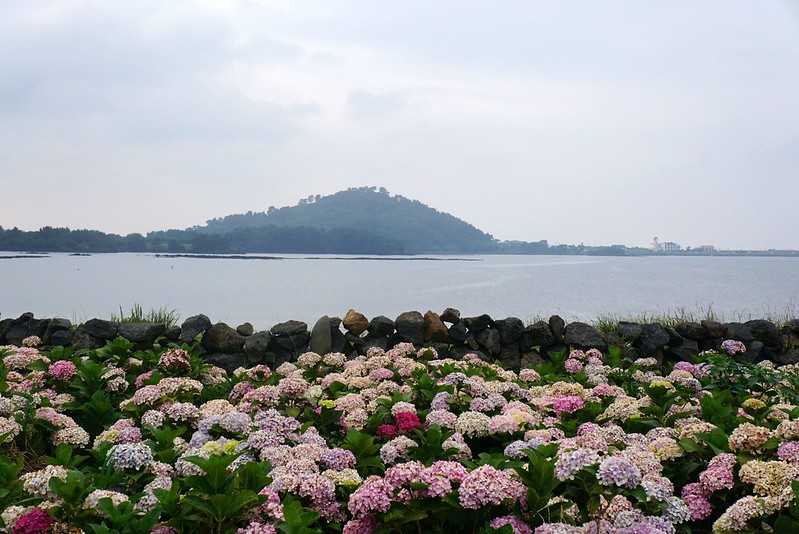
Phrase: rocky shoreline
pixel 508 341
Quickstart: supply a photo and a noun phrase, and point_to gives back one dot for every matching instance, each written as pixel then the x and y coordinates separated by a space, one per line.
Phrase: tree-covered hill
pixel 418 228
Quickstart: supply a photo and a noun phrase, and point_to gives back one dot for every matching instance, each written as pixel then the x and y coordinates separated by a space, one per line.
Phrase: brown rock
pixel 355 322
pixel 434 329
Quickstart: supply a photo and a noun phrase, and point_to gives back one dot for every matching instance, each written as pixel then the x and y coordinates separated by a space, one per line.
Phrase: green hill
pixel 416 227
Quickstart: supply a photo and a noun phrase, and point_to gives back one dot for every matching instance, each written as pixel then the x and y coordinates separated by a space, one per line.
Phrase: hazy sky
pixel 596 121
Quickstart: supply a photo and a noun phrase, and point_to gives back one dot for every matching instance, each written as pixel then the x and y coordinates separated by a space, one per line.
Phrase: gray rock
pixel 172 333
pixel 410 327
pixel 228 362
pixel 558 327
pixel 479 323
pixel 83 340
pixel 739 332
pixel 381 326
pixel 358 343
pixel 752 354
pixel 685 351
pixel 5 324
pixel 714 329
pixel 296 343
pixel 788 358
pixel 321 336
pixel 629 331
pixel 338 343
pixel 245 329
pixel 222 338
pixel 60 338
pixel 510 330
pixel 509 356
pixel 457 332
pixel 289 328
pixel 256 346
pixel 765 331
pixel 142 333
pixel 100 328
pixel 584 336
pixel 653 339
pixel 355 322
pixel 451 315
pixel 193 327
pixel 538 334
pixel 692 330
pixel 490 340
pixel 57 325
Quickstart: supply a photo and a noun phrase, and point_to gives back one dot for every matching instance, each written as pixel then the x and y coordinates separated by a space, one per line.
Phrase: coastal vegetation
pixel 362 220
pixel 154 437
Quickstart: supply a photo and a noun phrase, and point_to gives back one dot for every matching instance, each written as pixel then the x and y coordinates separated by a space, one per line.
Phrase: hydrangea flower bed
pixel 123 440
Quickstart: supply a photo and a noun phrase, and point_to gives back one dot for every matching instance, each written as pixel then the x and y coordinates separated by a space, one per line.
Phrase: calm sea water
pixel 265 292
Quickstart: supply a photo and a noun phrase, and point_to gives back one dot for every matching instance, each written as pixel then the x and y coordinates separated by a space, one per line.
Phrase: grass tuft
pixel 138 315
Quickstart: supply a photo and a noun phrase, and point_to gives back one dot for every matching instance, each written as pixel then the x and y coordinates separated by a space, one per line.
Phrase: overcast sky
pixel 573 121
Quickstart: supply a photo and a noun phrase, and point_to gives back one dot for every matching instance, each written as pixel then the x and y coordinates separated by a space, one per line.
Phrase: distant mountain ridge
pixel 416 227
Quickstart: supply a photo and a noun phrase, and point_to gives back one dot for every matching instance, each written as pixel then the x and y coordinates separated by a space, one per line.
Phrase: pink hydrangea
pixel 573 366
pixel 407 421
pixel 486 486
pixel 568 404
pixel 516 523
pixel 732 347
pixel 62 370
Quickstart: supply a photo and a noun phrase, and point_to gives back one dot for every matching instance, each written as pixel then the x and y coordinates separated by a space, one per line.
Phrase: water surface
pixel 268 291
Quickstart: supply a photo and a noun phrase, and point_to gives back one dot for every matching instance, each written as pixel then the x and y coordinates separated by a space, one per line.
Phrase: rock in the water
pixel 100 328
pixel 193 327
pixel 558 327
pixel 355 322
pixel 457 332
pixel 222 338
pixel 257 345
pixel 629 331
pixel 381 326
pixel 692 330
pixel 451 315
pixel 490 340
pixel 653 338
pixel 228 362
pixel 479 323
pixel 321 336
pixel 289 328
pixel 584 336
pixel 434 329
pixel 245 329
pixel 410 327
pixel 510 330
pixel 142 333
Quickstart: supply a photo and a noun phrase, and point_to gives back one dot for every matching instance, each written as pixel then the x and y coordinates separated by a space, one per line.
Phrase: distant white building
pixel 706 249
pixel 671 246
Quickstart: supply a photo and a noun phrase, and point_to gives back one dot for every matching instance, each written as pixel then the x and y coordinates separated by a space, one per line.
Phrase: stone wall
pixel 508 341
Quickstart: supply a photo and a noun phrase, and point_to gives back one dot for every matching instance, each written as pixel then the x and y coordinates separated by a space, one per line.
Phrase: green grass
pixel 138 315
